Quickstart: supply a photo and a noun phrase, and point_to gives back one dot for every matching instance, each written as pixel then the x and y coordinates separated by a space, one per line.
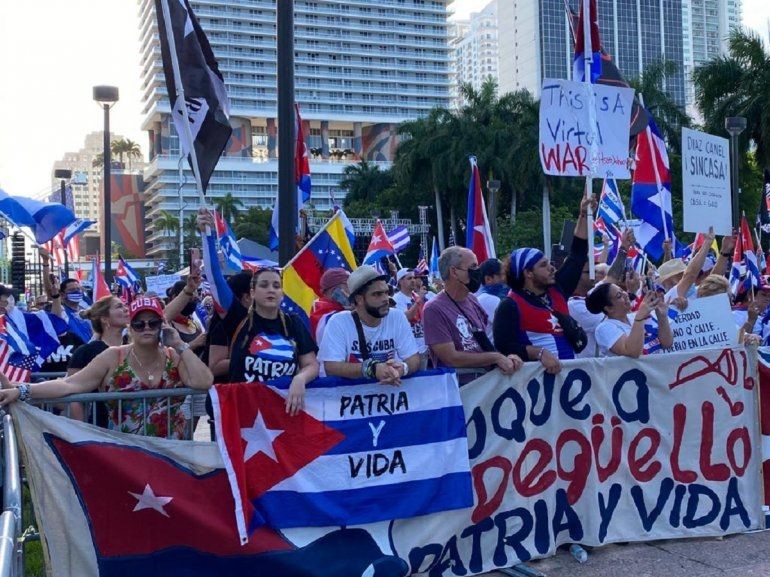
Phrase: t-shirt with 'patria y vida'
pixel 391 339
pixel 453 322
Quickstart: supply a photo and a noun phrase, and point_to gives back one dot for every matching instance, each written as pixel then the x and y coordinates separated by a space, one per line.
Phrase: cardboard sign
pixel 159 283
pixel 578 141
pixel 707 323
pixel 706 196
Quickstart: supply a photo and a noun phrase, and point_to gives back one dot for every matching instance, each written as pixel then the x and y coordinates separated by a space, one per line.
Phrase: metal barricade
pixel 11 544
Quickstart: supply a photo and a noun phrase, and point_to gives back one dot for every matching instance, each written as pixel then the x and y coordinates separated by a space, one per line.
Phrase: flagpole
pixel 310 242
pixel 587 67
pixel 180 96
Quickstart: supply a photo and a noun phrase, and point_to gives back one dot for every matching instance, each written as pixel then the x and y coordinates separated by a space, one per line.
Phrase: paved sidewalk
pixel 745 555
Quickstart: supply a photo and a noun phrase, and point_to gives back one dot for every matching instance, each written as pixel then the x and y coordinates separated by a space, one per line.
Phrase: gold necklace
pixel 150 376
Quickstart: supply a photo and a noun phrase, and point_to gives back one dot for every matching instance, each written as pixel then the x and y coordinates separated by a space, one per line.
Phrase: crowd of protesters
pixel 372 324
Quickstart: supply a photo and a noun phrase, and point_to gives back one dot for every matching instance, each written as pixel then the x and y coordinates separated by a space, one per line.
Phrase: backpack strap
pixel 234 336
pixel 363 349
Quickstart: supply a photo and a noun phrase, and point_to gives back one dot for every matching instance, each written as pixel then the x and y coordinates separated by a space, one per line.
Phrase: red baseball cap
pixel 145 304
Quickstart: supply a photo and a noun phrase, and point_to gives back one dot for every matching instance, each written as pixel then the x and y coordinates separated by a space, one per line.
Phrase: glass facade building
pixel 538 43
pixel 361 68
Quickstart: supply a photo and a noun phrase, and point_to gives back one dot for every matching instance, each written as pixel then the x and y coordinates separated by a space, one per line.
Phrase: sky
pixel 51 63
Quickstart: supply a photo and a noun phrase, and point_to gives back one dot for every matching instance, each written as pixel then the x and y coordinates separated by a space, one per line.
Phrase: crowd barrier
pixel 12 535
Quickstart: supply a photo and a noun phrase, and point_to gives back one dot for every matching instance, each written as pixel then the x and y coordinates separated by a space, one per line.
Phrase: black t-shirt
pixel 84 354
pixel 269 349
pixel 58 361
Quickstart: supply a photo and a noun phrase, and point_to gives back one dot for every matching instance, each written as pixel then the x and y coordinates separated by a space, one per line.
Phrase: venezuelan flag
pixel 331 247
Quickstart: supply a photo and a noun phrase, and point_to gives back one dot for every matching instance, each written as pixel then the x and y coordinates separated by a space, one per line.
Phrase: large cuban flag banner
pixel 606 451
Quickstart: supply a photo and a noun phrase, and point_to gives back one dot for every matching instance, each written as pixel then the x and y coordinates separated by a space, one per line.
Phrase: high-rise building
pixel 538 43
pixel 706 25
pixel 86 181
pixel 474 50
pixel 361 68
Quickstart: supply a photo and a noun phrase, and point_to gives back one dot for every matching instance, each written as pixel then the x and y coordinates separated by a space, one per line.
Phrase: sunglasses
pixel 153 324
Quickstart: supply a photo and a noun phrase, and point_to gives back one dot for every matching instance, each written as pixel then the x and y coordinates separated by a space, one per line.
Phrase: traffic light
pixel 18 262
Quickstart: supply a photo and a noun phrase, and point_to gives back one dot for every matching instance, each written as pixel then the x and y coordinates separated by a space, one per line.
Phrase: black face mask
pixel 375 312
pixel 474 279
pixel 189 308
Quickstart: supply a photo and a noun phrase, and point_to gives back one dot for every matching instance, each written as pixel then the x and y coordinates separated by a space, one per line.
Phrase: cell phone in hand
pixel 165 336
pixel 649 286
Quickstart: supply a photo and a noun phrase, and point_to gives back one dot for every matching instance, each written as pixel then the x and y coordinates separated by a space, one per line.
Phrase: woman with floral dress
pixel 143 365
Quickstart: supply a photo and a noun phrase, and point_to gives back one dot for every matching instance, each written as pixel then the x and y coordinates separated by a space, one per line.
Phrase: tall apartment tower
pixel 538 43
pixel 706 25
pixel 474 50
pixel 361 68
pixel 86 179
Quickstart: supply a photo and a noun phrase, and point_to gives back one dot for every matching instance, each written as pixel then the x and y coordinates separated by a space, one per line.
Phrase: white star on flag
pixel 376 239
pixel 554 322
pixel 259 439
pixel 148 500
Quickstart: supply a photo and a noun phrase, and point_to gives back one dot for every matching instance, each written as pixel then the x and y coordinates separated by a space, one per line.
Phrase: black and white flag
pixel 208 107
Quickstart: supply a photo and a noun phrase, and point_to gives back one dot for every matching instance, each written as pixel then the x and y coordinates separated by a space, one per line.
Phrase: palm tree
pixel 190 228
pixel 364 181
pixel 118 148
pixel 738 84
pixel 228 206
pixel 166 222
pixel 132 150
pixel 668 115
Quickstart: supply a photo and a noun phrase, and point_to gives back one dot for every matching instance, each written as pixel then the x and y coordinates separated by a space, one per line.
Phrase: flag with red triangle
pixel 380 245
pixel 97 278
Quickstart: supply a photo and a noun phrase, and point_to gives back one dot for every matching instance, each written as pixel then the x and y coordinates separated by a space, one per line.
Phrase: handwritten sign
pixel 577 139
pixel 161 282
pixel 706 323
pixel 706 182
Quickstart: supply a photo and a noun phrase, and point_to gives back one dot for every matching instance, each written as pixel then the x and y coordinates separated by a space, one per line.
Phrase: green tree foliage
pixel 254 224
pixel 228 206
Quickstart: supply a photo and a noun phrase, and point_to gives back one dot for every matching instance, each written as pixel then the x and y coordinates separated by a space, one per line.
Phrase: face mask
pixel 75 297
pixel 474 279
pixel 339 297
pixel 189 309
pixel 375 312
pixel 498 289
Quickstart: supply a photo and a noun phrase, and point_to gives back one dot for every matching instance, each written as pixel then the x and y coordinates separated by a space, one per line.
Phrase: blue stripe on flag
pixel 354 507
pixel 434 427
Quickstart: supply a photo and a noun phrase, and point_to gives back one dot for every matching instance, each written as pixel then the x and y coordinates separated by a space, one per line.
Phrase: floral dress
pixel 127 416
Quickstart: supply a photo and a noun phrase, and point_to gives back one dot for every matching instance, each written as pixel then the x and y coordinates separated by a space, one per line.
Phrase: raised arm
pixel 695 265
pixel 48 285
pixel 725 255
pixel 174 308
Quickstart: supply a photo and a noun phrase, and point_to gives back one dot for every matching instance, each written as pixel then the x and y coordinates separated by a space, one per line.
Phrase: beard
pixel 375 312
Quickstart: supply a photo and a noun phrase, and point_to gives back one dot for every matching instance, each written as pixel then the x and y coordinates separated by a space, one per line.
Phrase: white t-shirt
pixel 404 303
pixel 589 321
pixel 489 303
pixel 391 339
pixel 607 334
pixel 672 293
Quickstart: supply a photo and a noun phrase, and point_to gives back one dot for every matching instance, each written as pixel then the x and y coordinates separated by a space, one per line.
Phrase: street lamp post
pixel 64 175
pixel 734 126
pixel 106 97
pixel 287 188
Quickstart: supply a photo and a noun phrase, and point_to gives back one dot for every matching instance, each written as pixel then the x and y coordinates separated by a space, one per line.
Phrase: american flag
pixel 15 366
pixel 422 264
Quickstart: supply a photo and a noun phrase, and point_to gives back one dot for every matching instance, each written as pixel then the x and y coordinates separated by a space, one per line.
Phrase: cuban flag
pixel 611 208
pixel 127 277
pixel 36 332
pixel 301 176
pixel 167 509
pixel 271 347
pixel 651 192
pixel 44 219
pixel 380 245
pixel 478 235
pixel 753 278
pixel 736 268
pixel 228 243
pixel 399 238
pixel 337 462
pixel 592 44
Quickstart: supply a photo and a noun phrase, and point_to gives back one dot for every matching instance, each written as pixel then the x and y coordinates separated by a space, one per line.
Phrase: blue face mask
pixel 75 297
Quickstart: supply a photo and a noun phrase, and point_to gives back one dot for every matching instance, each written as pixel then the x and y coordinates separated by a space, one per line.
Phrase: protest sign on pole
pixel 568 137
pixel 706 182
pixel 707 322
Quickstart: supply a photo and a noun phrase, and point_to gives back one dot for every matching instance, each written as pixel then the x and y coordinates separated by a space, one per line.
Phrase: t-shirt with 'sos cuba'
pixel 391 339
